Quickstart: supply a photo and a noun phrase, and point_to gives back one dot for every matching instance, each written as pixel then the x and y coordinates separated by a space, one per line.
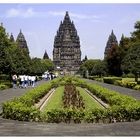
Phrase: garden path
pixel 122 90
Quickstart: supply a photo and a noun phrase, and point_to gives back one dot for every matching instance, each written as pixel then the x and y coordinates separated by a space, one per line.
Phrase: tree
pixel 113 60
pixel 131 62
pixel 39 66
pixel 124 45
pixel 88 65
pixel 48 64
pixel 4 43
pixel 135 36
pixel 100 68
pixel 18 59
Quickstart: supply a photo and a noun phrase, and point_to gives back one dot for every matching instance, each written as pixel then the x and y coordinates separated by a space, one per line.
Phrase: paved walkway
pixel 18 128
pixel 123 90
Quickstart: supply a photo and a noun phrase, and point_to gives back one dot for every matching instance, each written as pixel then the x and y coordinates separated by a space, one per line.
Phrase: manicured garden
pixel 80 109
pixel 55 102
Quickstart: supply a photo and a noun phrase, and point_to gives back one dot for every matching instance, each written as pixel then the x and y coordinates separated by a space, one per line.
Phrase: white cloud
pixel 27 13
pixel 13 12
pixel 75 15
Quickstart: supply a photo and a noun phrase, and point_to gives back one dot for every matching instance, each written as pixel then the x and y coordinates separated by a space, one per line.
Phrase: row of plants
pixel 111 80
pixel 122 82
pixel 22 108
pixel 111 115
pixel 122 108
pixel 72 97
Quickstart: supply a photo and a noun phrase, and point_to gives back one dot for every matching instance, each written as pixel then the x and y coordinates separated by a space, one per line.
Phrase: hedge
pixel 122 107
pixel 111 80
pixel 22 108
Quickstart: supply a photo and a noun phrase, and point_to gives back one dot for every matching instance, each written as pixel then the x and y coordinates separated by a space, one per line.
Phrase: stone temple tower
pixel 112 40
pixel 66 51
pixel 21 42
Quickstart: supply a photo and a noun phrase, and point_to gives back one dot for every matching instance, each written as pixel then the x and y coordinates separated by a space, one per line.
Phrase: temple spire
pixel 67 18
pixel 12 38
pixel 21 41
pixel 112 40
pixel 45 55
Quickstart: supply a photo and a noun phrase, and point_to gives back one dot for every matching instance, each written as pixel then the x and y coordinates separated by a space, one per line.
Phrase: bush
pixel 122 107
pixel 22 108
pixel 130 75
pixel 99 79
pixel 3 86
pixel 137 87
pixel 19 111
pixel 111 80
pixel 131 84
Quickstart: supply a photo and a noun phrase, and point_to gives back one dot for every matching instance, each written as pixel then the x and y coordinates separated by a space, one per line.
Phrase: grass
pixel 90 103
pixel 55 102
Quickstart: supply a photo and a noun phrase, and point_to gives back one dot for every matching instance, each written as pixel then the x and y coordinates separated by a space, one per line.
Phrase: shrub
pixel 19 111
pixel 137 87
pixel 3 86
pixel 131 84
pixel 21 108
pixel 111 80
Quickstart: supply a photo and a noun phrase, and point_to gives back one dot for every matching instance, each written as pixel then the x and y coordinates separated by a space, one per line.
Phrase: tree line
pixel 14 59
pixel 122 59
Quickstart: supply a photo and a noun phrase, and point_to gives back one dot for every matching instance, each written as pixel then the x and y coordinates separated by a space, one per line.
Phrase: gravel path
pixel 123 90
pixel 18 128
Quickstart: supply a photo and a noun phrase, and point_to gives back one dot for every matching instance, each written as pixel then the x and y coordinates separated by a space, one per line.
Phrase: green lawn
pixel 90 103
pixel 55 102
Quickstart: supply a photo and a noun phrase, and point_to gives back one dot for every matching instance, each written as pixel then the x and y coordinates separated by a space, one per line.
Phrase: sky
pixel 94 23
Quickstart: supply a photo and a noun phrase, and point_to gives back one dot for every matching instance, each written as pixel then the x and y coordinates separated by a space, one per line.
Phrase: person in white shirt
pixel 33 80
pixel 25 81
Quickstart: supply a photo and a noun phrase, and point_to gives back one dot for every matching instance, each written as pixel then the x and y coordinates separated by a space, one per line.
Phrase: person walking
pixel 14 78
pixel 33 78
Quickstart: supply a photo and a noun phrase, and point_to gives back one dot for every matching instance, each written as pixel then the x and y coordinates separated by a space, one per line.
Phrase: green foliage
pixel 19 60
pixel 136 34
pixel 88 65
pixel 137 87
pixel 100 68
pixel 21 108
pixel 111 80
pixel 131 61
pixel 3 86
pixel 4 44
pixel 40 66
pixel 113 61
pixel 122 107
pixel 19 111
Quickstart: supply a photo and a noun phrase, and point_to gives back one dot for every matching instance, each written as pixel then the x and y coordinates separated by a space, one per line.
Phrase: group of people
pixel 49 76
pixel 23 81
